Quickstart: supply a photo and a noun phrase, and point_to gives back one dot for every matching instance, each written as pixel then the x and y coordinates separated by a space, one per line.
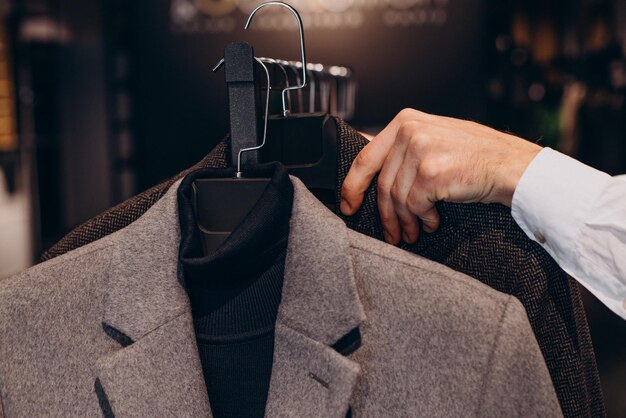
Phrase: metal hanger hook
pixel 301 28
pixel 282 69
pixel 267 109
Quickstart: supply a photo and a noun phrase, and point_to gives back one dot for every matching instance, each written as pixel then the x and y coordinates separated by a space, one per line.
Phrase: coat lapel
pixel 319 306
pixel 309 379
pixel 158 375
pixel 158 370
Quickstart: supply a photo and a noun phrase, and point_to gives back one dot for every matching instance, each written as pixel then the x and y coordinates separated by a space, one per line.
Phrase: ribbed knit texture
pixel 241 310
pixel 482 241
pixel 237 375
pixel 235 293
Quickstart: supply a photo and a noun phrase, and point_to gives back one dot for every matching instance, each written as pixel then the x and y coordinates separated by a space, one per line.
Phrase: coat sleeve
pixel 517 382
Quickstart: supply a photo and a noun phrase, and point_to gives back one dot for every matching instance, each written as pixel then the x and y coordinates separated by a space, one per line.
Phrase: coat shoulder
pixel 49 277
pixel 420 286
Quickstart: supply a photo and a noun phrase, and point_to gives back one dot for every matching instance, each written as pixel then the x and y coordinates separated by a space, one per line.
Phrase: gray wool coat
pixel 107 329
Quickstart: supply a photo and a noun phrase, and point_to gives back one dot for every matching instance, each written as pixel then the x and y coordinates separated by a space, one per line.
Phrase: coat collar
pixel 319 298
pixel 147 306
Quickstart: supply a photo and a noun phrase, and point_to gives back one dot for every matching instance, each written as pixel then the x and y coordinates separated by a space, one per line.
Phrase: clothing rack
pixel 331 89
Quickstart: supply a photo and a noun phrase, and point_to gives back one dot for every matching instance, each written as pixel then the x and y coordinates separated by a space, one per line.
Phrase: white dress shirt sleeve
pixel 578 214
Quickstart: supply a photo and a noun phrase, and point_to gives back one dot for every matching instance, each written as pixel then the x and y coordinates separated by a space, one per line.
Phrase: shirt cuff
pixel 553 198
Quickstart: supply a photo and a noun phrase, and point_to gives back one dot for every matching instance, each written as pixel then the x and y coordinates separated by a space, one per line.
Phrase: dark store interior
pixel 102 99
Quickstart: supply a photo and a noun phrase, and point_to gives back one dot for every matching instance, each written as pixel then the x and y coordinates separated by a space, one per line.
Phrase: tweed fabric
pixel 482 241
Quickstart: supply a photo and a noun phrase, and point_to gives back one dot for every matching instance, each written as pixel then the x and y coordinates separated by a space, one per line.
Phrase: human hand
pixel 425 158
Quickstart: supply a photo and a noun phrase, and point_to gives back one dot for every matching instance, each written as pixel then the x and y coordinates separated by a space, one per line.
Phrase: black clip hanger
pixel 242 100
pixel 222 203
pixel 306 143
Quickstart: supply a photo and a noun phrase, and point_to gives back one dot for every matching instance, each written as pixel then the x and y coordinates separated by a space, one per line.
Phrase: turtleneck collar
pixel 236 290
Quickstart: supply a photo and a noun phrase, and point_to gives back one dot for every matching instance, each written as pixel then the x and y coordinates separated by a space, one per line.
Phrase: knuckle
pixel 396 196
pixel 407 113
pixel 363 158
pixel 432 217
pixel 419 142
pixel 442 194
pixel 408 129
pixel 413 204
pixel 429 170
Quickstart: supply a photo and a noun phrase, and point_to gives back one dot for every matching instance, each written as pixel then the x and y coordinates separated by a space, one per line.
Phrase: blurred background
pixel 101 99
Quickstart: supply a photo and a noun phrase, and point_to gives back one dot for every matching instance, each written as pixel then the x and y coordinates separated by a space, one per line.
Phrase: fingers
pixel 371 159
pixel 403 184
pixel 387 193
pixel 425 158
pixel 421 203
pixel 400 201
pixel 365 166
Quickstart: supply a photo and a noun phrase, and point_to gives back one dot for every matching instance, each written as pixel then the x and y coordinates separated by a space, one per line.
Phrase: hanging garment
pixel 107 328
pixel 482 241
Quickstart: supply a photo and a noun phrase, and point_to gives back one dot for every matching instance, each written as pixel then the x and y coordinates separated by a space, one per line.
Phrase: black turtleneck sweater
pixel 235 293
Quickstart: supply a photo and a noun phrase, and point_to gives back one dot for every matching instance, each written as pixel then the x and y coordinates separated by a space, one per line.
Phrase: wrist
pixel 511 171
